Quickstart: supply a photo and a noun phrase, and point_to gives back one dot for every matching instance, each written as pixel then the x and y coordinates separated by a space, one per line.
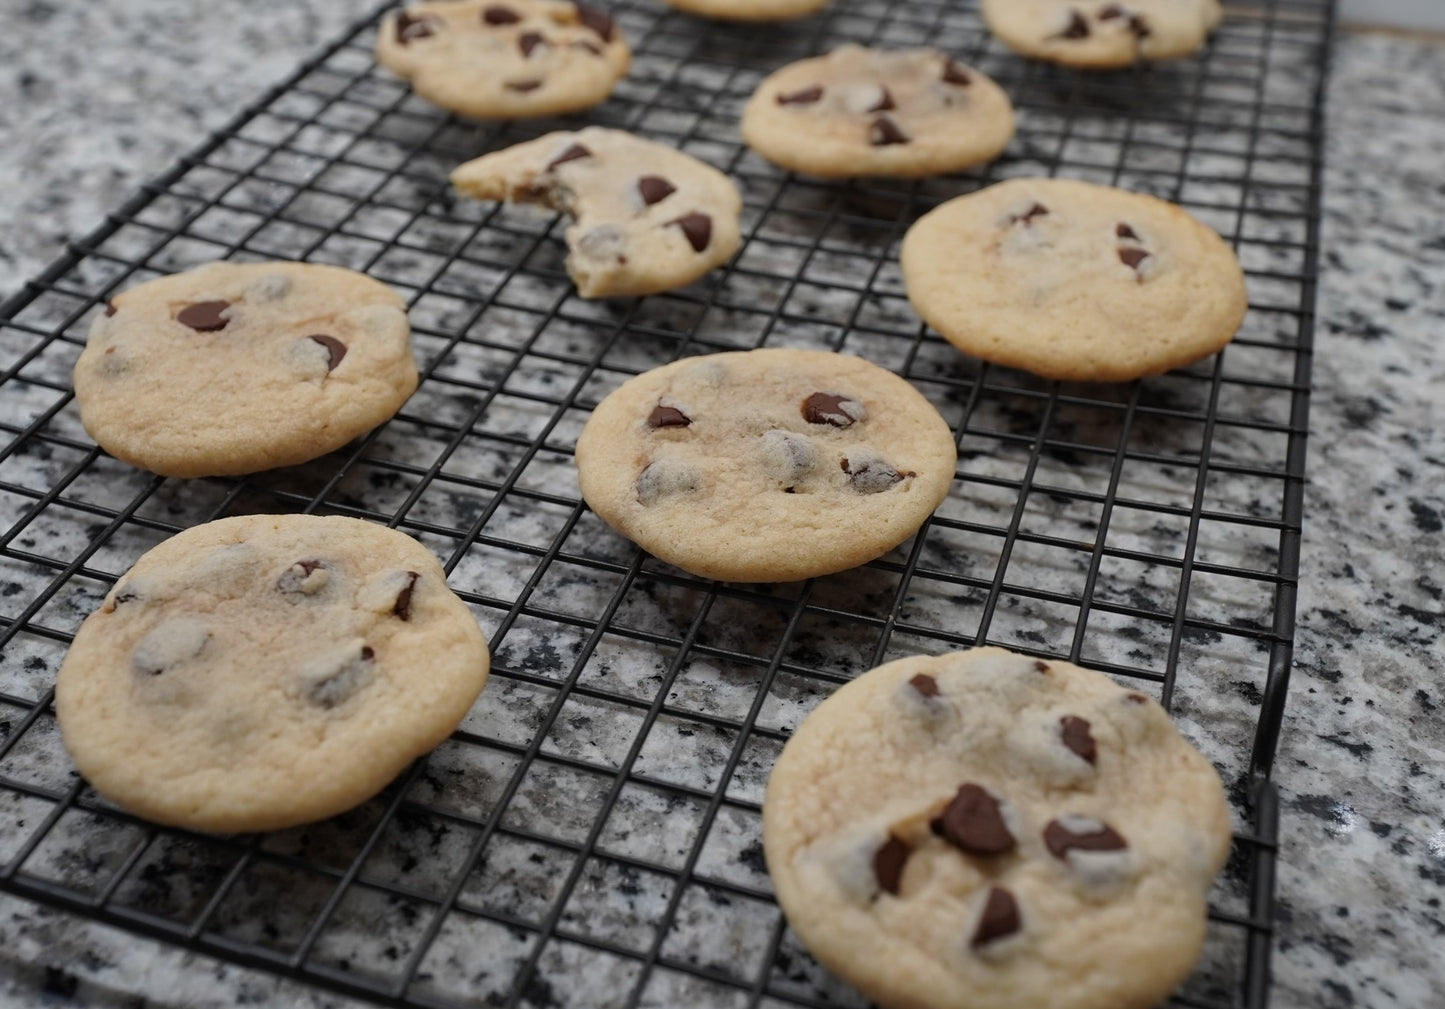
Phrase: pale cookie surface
pixel 1100 33
pixel 236 368
pixel 1073 281
pixel 646 217
pixel 765 465
pixel 983 830
pixel 749 10
pixel 505 59
pixel 857 111
pixel 257 672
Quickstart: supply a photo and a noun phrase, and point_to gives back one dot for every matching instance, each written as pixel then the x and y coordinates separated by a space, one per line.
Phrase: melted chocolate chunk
pixel 1000 918
pixel 500 15
pixel 1074 731
pixel 1078 27
pixel 572 153
pixel 1136 698
pixel 832 409
pixel 204 316
pixel 109 309
pixel 1041 667
pixel 1060 840
pixel 368 653
pixel 409 27
pixel 333 346
pixel 884 102
pixel 884 132
pixel 667 416
pixel 343 681
pixel 955 74
pixel 523 86
pixel 925 685
pixel 888 862
pixel 1132 257
pixel 1037 210
pixel 591 47
pixel 527 41
pixel 1124 231
pixel 804 97
pixel 972 823
pixel 293 579
pixel 1140 27
pixel 873 477
pixel 654 189
pixel 599 22
pixel 697 228
pixel 403 598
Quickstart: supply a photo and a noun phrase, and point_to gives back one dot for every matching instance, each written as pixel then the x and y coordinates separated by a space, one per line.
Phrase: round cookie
pixel 258 672
pixel 984 830
pixel 235 368
pixel 1101 34
pixel 857 111
pixel 646 217
pixel 765 465
pixel 749 10
pixel 1073 281
pixel 507 59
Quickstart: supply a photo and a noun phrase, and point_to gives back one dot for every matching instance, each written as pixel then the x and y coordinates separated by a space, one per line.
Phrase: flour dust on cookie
pixel 263 671
pixel 1102 34
pixel 505 59
pixel 235 368
pixel 646 217
pixel 765 465
pixel 749 10
pixel 1073 281
pixel 898 112
pixel 985 830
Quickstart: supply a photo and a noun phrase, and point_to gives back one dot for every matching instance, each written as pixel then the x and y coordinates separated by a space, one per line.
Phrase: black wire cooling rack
pixel 590 835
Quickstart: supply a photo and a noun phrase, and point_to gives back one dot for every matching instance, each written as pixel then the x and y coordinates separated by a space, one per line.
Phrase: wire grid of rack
pixel 589 836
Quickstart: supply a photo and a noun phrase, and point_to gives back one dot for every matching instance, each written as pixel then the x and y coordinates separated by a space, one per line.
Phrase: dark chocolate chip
pixel 955 74
pixel 527 41
pixel 872 477
pixel 1111 12
pixel 1136 698
pixel 572 153
pixel 499 15
pixel 1000 918
pixel 972 823
pixel 667 416
pixel 1076 736
pixel 1132 257
pixel 697 228
pixel 1140 27
pixel 343 681
pixel 599 22
pixel 292 579
pixel 409 27
pixel 368 653
pixel 1124 231
pixel 1060 840
pixel 884 103
pixel 804 97
pixel 654 189
pixel 1078 27
pixel 403 598
pixel 925 685
pixel 333 346
pixel 884 132
pixel 591 47
pixel 827 408
pixel 204 316
pixel 888 862
pixel 1037 210
pixel 109 308
pixel 1041 667
pixel 524 85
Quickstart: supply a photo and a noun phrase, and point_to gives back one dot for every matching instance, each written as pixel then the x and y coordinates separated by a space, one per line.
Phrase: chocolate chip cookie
pixel 857 111
pixel 257 672
pixel 505 59
pixel 984 830
pixel 749 10
pixel 765 465
pixel 1102 34
pixel 235 368
pixel 646 217
pixel 1073 281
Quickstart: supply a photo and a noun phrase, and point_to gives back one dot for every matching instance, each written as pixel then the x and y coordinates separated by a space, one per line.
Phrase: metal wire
pixel 589 835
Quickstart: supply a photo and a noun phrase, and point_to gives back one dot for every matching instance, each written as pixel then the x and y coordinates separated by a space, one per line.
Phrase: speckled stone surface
pixel 1361 769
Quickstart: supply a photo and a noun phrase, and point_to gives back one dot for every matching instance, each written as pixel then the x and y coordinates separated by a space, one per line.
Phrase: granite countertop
pixel 1362 763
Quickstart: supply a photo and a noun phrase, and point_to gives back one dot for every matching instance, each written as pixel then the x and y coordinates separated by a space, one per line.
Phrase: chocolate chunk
pixel 1110 12
pixel 599 22
pixel 1041 667
pixel 109 309
pixel 667 416
pixel 591 47
pixel 523 85
pixel 831 409
pixel 697 228
pixel 329 687
pixel 873 476
pixel 884 102
pixel 1124 231
pixel 654 189
pixel 806 96
pixel 409 27
pixel 1076 736
pixel 884 132
pixel 972 823
pixel 1000 918
pixel 787 457
pixel 1132 257
pixel 1140 27
pixel 925 685
pixel 572 153
pixel 1078 27
pixel 1136 698
pixel 1087 834
pixel 1037 210
pixel 368 653
pixel 333 346
pixel 403 598
pixel 527 41
pixel 663 478
pixel 888 862
pixel 168 645
pixel 204 316
pixel 297 578
pixel 499 15
pixel 955 74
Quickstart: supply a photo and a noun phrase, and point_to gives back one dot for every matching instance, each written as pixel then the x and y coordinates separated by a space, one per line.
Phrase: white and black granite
pixel 1363 863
